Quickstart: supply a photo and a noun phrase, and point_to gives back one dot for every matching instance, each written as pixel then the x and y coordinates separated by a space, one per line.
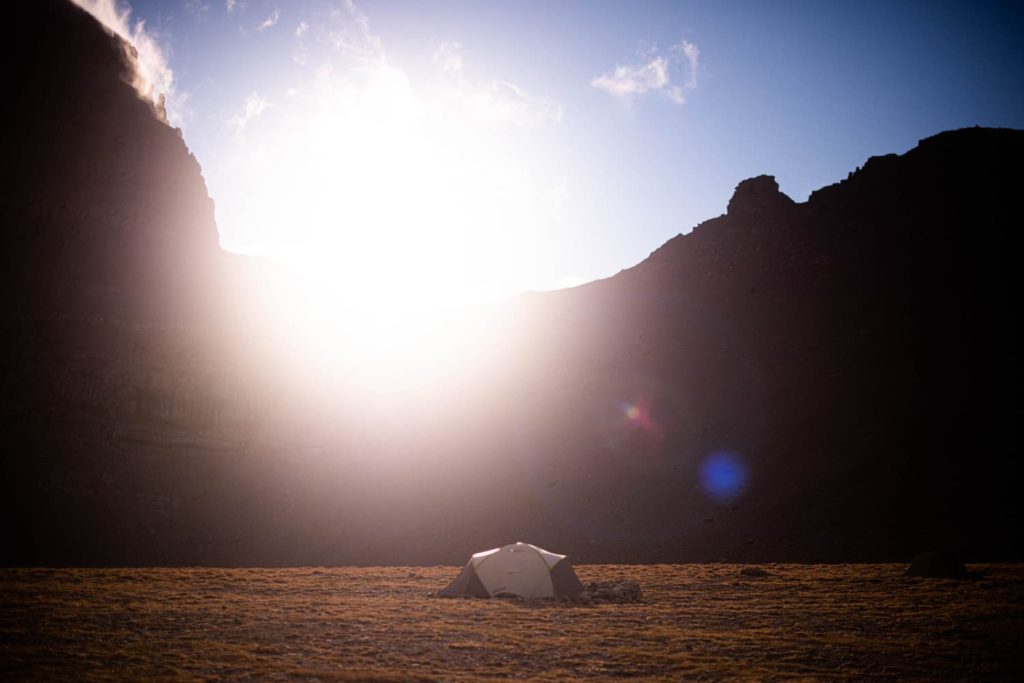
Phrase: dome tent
pixel 518 569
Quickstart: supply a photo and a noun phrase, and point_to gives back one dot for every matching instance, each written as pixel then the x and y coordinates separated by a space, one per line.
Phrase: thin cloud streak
pixel 691 53
pixel 627 82
pixel 497 100
pixel 269 21
pixel 253 107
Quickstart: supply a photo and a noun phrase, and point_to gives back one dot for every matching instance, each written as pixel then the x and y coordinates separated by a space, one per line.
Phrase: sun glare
pixel 392 348
pixel 393 202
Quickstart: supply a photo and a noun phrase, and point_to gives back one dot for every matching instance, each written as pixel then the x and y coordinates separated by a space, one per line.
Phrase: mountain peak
pixel 756 196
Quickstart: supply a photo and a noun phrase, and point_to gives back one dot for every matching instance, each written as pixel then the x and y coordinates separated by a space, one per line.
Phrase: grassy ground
pixel 381 624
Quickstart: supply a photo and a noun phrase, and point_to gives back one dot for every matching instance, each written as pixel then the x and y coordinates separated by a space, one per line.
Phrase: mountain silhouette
pixel 830 380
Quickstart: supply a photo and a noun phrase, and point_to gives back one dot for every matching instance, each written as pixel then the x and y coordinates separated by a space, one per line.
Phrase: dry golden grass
pixel 381 624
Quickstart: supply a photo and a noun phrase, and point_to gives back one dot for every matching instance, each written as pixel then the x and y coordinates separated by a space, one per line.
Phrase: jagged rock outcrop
pixel 789 381
pixel 758 198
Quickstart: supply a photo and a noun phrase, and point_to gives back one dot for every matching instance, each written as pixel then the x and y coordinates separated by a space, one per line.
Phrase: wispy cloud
pixel 671 75
pixel 626 81
pixel 152 78
pixel 354 53
pixel 254 105
pixel 496 100
pixel 350 37
pixel 269 21
pixel 197 8
pixel 691 54
pixel 506 102
pixel 345 32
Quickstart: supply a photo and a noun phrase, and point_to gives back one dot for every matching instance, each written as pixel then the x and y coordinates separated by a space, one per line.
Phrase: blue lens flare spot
pixel 724 475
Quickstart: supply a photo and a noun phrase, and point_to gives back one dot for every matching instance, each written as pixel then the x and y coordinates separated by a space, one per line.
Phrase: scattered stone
pixel 754 572
pixel 937 564
pixel 597 592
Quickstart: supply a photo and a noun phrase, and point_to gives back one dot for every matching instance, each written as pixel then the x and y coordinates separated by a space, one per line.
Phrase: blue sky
pixel 612 126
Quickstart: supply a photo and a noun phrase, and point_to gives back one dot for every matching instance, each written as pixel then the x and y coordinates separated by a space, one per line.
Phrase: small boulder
pixel 937 565
pixel 611 591
pixel 754 572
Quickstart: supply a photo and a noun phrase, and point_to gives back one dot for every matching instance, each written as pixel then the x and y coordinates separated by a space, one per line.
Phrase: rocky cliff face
pixel 104 207
pixel 108 265
pixel 816 381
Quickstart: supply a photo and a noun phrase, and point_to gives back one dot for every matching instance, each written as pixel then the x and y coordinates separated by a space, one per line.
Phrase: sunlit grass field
pixel 382 624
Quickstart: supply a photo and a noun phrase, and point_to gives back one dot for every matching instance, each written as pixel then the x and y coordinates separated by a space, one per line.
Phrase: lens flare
pixel 724 476
pixel 638 415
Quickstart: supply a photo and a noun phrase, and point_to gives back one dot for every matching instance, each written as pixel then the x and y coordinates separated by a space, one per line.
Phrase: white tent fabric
pixel 519 569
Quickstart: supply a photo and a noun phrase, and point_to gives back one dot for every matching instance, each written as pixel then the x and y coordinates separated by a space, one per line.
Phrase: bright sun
pixel 395 196
pixel 393 204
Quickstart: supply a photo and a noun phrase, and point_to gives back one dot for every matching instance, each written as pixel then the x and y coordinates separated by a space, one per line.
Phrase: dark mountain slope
pixel 108 260
pixel 831 380
pixel 855 349
pixel 104 206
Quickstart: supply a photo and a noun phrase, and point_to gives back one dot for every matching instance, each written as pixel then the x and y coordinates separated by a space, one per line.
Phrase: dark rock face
pixel 824 381
pixel 852 350
pixel 108 257
pixel 104 208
